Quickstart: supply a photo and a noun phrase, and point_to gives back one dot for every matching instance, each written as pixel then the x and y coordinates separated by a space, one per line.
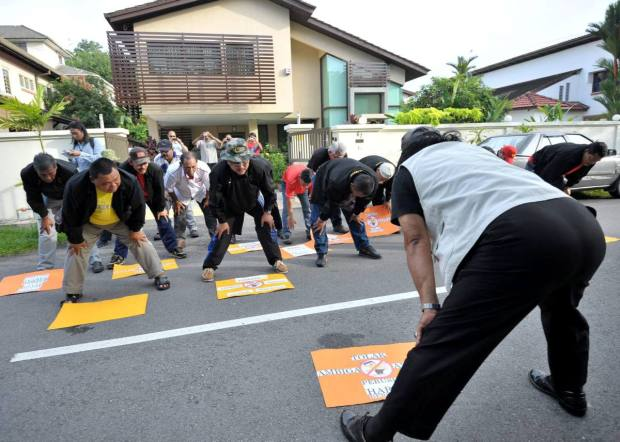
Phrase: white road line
pixel 213 326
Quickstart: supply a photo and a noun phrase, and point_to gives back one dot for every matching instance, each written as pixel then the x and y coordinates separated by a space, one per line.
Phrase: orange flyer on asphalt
pixel 378 221
pixel 358 375
pixel 32 282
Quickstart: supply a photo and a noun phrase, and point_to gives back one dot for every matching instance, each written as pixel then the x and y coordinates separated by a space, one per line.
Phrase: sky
pixel 431 33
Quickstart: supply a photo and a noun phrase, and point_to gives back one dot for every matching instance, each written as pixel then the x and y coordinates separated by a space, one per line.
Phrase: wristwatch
pixel 431 307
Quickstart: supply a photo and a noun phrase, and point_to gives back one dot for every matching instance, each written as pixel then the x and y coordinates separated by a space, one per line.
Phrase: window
pixel 334 91
pixel 184 58
pixel 60 59
pixel 597 78
pixel 368 104
pixel 240 59
pixel 6 81
pixel 577 139
pixel 561 93
pixel 395 98
pixel 567 94
pixel 26 83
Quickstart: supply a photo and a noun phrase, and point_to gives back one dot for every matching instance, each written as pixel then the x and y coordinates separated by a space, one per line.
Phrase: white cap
pixel 338 148
pixel 386 170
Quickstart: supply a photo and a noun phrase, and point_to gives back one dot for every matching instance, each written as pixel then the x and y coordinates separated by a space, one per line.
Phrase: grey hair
pixel 337 148
pixel 43 161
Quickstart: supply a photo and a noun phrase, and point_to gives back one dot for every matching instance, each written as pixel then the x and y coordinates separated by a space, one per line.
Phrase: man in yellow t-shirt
pixel 105 198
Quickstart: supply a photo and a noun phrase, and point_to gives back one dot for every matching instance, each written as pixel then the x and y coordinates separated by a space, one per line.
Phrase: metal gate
pixel 301 145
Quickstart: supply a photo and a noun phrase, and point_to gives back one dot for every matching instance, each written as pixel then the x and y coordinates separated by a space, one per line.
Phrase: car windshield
pixel 517 140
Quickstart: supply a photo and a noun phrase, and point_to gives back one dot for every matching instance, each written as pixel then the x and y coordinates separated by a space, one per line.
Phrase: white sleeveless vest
pixel 462 189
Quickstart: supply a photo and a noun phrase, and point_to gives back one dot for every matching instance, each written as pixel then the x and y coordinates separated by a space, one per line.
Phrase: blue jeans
pixel 166 232
pixel 321 242
pixel 305 209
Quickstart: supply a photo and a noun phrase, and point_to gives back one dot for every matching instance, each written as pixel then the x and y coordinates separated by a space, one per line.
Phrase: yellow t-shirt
pixel 104 214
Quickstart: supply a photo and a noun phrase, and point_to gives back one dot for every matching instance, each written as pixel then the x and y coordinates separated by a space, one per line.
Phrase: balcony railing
pixel 368 74
pixel 173 68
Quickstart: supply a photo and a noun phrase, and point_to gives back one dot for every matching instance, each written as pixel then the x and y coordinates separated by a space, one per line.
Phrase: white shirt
pixel 187 189
pixel 178 148
pixel 208 151
pixel 166 166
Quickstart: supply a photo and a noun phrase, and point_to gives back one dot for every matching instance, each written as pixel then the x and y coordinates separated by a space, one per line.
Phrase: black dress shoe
pixel 97 267
pixel 369 252
pixel 321 261
pixel 574 402
pixel 340 229
pixel 352 426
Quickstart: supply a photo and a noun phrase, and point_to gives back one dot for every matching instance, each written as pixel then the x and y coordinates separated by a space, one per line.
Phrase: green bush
pixel 278 162
pixel 434 116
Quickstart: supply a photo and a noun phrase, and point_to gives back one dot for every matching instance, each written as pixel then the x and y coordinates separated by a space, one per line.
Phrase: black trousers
pixel 536 254
pixel 267 237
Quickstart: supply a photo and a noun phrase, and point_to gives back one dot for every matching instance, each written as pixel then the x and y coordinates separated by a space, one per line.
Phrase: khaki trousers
pixel 76 265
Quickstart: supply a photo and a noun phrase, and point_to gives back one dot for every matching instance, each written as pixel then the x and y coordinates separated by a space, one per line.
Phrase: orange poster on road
pixel 252 285
pixel 32 282
pixel 377 220
pixel 358 375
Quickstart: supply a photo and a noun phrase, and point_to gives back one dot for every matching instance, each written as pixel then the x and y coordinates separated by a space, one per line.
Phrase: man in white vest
pixel 505 242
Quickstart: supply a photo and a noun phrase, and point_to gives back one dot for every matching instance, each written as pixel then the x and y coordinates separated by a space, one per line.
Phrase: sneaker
pixel 233 239
pixel 97 267
pixel 73 297
pixel 340 229
pixel 286 238
pixel 116 259
pixel 156 237
pixel 280 267
pixel 194 234
pixel 179 253
pixel 369 252
pixel 321 260
pixel 208 274
pixel 308 235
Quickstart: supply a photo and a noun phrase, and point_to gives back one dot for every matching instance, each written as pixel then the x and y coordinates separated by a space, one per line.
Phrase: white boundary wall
pixel 384 140
pixel 17 150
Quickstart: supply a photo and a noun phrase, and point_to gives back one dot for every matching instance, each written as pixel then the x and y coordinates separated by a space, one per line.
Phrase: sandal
pixel 162 282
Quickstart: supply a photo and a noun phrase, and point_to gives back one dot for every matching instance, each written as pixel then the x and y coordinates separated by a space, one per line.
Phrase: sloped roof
pixel 533 101
pixel 15 51
pixel 18 33
pixel 538 84
pixel 300 11
pixel 568 44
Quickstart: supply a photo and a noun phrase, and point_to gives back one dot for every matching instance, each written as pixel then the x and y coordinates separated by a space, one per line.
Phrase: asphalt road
pixel 257 382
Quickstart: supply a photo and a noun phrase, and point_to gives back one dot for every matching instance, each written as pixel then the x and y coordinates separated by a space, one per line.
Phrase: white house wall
pixel 44 53
pixel 582 57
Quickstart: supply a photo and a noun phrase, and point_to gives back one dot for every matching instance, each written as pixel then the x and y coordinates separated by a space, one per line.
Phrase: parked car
pixel 604 175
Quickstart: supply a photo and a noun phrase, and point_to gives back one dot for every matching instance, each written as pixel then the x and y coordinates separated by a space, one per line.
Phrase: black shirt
pixel 405 198
pixel 319 157
pixel 552 164
pixel 36 188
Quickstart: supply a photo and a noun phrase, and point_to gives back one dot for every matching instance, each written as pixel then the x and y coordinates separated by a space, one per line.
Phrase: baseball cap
pixel 110 155
pixel 236 151
pixel 164 145
pixel 386 170
pixel 508 153
pixel 139 159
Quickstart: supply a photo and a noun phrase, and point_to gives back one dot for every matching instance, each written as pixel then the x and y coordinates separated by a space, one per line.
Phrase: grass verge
pixel 15 240
pixel 592 194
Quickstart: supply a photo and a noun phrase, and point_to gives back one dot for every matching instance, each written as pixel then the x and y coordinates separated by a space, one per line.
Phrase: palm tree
pixel 31 116
pixel 609 31
pixel 463 66
pixel 610 92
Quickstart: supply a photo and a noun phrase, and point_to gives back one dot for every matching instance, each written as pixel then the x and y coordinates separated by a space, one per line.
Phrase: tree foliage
pixel 436 116
pixel 86 102
pixel 31 116
pixel 89 55
pixel 138 129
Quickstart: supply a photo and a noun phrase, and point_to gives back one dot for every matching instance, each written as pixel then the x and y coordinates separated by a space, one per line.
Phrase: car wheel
pixel 614 190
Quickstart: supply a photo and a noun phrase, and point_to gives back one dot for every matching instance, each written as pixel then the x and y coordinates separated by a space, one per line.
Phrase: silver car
pixel 604 175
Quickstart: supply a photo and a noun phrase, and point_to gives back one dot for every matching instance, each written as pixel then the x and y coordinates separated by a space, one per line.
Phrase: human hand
pixel 291 221
pixel 320 225
pixel 46 224
pixel 75 249
pixel 137 237
pixel 162 214
pixel 74 153
pixel 427 317
pixel 178 207
pixel 267 219
pixel 222 229
pixel 355 219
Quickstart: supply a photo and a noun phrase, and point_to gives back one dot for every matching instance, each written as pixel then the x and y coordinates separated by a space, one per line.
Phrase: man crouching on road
pixel 105 198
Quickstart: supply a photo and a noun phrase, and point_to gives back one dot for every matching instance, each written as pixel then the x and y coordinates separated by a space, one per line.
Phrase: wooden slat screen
pixel 176 68
pixel 368 74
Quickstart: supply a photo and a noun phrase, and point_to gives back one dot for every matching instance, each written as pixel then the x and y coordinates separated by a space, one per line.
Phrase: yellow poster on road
pixel 610 239
pixel 71 315
pixel 126 270
pixel 358 375
pixel 245 247
pixel 252 285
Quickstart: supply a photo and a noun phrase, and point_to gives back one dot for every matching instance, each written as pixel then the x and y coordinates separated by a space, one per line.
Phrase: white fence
pixel 378 139
pixel 17 150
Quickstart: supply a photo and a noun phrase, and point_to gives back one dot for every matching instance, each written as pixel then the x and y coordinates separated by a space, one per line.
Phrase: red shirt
pixel 291 178
pixel 142 185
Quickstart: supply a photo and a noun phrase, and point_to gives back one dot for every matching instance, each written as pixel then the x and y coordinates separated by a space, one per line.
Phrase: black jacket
pixel 35 188
pixel 384 190
pixel 154 183
pixel 80 201
pixel 332 185
pixel 552 162
pixel 232 195
pixel 318 158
